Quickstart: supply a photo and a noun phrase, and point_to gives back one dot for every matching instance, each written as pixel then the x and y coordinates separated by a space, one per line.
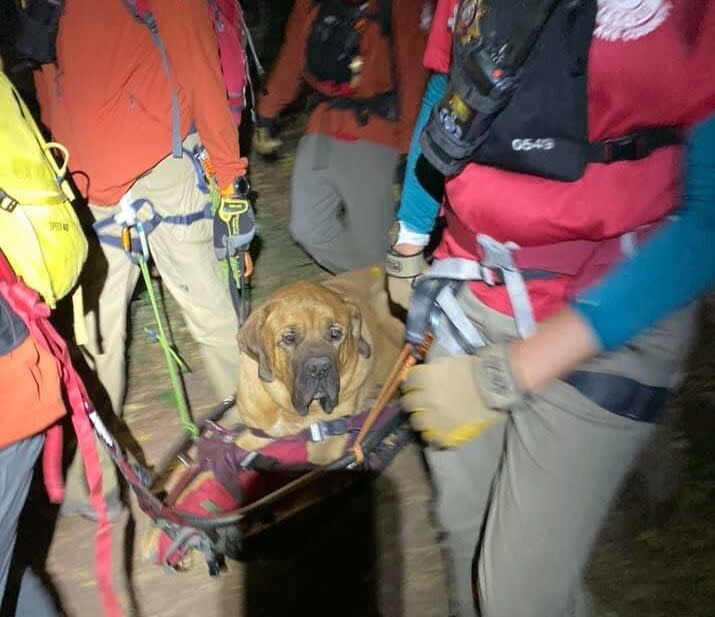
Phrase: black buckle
pixel 627 148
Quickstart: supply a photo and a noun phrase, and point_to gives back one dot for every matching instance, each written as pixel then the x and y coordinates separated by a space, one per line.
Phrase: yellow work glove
pixel 265 139
pixel 453 400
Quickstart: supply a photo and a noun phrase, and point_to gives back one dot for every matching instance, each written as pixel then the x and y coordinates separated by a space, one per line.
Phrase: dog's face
pixel 307 341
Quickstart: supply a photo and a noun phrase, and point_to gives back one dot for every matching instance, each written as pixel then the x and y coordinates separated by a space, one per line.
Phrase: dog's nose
pixel 317 367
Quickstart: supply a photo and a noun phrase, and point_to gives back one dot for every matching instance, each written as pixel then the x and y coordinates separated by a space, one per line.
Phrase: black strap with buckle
pixel 634 146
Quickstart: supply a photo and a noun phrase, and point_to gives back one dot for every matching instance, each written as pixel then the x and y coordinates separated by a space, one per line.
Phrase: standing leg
pixel 16 466
pixel 566 456
pixel 184 256
pixel 462 478
pixel 108 282
pixel 364 174
pixel 316 205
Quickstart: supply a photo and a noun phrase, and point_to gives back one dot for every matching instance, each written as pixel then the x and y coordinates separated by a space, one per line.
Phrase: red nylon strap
pixel 26 303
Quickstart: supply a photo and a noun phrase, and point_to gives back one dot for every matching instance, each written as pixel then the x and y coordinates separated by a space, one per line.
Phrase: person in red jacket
pixel 359 61
pixel 110 101
pixel 531 421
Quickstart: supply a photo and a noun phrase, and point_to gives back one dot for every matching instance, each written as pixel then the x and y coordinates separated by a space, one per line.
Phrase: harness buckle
pixel 497 258
pixel 497 254
pixel 7 203
pixel 331 428
pixel 248 460
pixel 630 147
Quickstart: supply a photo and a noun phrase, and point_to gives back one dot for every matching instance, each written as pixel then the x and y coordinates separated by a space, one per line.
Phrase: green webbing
pixel 169 354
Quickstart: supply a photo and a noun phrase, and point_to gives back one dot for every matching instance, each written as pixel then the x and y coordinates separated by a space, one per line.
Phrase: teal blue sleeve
pixel 669 271
pixel 418 210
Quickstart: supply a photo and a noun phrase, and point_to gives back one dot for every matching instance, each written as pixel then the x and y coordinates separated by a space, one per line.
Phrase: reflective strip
pixel 316 434
pixel 246 462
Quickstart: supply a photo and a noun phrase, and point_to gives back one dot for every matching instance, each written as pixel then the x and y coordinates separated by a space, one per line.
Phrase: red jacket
pixel 656 70
pixel 109 102
pixel 408 45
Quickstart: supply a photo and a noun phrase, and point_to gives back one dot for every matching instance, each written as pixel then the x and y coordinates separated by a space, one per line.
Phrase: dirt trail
pixel 331 565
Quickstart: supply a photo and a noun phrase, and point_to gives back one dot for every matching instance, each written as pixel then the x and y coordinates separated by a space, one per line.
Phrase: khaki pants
pixel 342 201
pixel 185 259
pixel 521 506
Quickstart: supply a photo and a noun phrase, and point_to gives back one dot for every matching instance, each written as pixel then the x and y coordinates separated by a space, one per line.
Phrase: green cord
pixel 181 404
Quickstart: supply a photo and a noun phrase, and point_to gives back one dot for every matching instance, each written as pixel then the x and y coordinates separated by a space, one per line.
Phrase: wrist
pixel 407 237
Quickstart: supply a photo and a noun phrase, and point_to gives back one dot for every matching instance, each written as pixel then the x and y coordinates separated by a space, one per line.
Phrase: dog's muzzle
pixel 316 379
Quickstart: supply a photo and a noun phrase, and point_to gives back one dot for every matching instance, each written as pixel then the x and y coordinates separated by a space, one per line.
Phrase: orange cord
pixel 247 264
pixel 408 357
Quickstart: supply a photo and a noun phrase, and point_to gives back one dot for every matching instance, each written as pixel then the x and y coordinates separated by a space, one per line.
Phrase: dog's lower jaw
pixel 326 403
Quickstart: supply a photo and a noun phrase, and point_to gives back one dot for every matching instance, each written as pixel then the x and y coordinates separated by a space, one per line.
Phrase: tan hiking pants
pixel 184 256
pixel 521 505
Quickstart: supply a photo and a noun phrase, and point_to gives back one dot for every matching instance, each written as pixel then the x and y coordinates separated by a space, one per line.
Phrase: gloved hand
pixel 265 138
pixel 402 272
pixel 404 262
pixel 234 221
pixel 453 400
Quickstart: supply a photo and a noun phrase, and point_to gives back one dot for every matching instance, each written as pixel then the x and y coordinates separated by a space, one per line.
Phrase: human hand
pixel 453 400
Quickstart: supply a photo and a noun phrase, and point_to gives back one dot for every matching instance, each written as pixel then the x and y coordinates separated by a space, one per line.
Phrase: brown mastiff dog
pixel 315 351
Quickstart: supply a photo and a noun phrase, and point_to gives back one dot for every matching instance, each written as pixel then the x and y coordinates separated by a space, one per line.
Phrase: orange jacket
pixel 408 46
pixel 32 395
pixel 108 98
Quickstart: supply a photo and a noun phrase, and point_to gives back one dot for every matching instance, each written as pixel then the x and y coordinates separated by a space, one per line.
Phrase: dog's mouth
pixel 326 395
pixel 316 386
pixel 327 403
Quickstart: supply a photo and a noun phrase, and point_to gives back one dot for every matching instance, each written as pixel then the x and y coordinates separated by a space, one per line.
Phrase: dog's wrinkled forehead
pixel 308 308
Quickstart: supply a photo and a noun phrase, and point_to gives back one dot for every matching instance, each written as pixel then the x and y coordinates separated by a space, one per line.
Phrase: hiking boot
pixel 115 507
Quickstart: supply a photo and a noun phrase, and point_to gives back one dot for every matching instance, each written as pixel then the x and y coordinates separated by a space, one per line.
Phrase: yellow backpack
pixel 40 233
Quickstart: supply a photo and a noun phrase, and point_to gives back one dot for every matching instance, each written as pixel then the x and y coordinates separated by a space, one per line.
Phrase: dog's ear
pixel 363 346
pixel 249 341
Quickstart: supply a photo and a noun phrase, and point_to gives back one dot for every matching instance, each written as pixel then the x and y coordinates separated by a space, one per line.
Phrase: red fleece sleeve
pixel 409 46
pixel 287 75
pixel 186 29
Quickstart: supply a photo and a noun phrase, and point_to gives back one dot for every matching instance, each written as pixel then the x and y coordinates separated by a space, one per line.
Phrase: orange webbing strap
pixel 247 264
pixel 27 305
pixel 409 356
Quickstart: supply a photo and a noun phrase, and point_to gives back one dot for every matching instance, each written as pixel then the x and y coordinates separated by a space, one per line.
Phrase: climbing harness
pixel 434 307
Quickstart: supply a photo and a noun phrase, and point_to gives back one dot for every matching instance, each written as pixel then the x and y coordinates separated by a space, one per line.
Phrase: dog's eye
pixel 335 333
pixel 288 339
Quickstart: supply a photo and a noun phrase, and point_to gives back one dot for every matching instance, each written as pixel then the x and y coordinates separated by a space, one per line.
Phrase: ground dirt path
pixel 654 562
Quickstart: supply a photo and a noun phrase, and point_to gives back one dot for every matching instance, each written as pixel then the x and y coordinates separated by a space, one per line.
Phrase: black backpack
pixel 333 53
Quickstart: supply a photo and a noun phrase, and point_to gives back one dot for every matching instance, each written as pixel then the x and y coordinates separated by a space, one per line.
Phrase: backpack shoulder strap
pixel 139 9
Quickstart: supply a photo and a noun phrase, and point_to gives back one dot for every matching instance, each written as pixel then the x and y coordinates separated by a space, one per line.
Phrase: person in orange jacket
pixel 361 61
pixel 111 100
pixel 32 401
